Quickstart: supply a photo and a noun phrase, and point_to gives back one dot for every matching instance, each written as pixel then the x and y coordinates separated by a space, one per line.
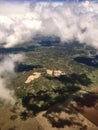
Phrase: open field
pixel 88 106
pixel 12 121
pixel 64 117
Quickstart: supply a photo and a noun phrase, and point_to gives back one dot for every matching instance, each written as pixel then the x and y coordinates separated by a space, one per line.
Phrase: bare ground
pixel 32 77
pixel 6 123
pixel 62 117
pixel 59 117
pixel 55 73
pixel 88 106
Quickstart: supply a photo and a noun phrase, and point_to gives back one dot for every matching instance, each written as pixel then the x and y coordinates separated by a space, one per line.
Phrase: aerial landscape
pixel 48 65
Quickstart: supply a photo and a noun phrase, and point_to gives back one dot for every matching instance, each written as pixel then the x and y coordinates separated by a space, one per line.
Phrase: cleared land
pixel 32 77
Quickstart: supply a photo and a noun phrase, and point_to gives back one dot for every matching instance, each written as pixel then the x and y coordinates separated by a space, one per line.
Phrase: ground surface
pixel 69 72
pixel 61 117
pixel 8 121
pixel 88 106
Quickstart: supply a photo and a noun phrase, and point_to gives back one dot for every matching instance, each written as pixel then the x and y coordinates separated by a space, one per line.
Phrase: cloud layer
pixel 70 21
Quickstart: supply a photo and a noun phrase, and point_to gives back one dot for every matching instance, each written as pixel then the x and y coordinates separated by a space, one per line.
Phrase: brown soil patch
pixel 50 72
pixel 55 73
pixel 88 106
pixel 95 90
pixel 32 77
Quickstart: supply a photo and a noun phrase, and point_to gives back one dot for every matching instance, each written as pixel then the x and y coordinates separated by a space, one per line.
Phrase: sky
pixel 45 0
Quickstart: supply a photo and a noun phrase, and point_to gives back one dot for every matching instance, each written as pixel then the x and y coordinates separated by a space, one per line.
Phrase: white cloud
pixel 7 66
pixel 66 20
pixel 6 94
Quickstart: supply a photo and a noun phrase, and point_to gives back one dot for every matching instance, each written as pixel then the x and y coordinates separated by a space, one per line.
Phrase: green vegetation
pixel 48 90
pixel 41 93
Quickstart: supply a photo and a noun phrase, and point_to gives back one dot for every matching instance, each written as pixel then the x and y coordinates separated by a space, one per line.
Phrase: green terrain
pixel 78 62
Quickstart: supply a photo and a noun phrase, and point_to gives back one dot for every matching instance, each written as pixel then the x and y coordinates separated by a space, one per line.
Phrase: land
pixel 51 85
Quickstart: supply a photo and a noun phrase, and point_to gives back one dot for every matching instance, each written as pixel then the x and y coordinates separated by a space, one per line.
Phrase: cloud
pixel 6 95
pixel 7 66
pixel 69 21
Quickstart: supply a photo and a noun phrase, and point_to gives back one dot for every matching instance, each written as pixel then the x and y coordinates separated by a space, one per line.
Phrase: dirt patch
pixel 95 90
pixel 50 72
pixel 55 73
pixel 32 77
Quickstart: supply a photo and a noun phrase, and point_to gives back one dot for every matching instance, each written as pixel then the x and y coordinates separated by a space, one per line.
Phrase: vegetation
pixel 41 93
pixel 47 90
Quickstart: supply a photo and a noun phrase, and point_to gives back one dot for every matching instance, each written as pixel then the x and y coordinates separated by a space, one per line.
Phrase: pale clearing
pixel 55 73
pixel 32 77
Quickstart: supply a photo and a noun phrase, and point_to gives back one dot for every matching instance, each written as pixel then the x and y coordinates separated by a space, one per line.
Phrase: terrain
pixel 51 85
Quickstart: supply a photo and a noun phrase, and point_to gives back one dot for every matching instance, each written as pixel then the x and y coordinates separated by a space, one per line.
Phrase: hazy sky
pixel 45 0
